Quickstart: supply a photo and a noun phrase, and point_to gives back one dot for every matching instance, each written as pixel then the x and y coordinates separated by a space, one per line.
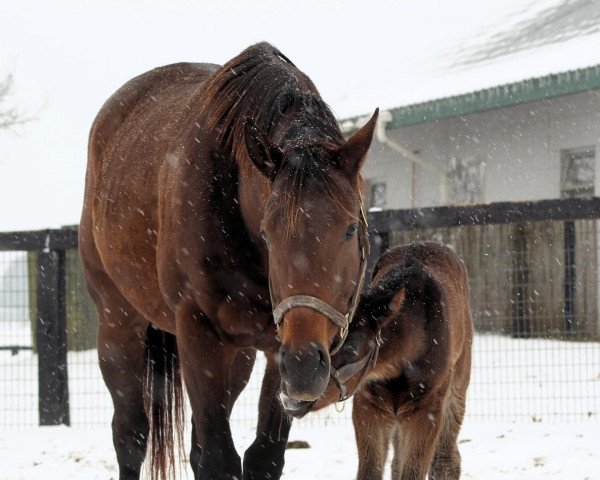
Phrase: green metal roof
pixel 508 95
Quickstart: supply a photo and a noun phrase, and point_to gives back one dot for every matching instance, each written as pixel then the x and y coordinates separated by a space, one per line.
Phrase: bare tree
pixel 9 116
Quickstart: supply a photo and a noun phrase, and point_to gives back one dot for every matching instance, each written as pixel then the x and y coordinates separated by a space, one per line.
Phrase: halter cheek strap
pixel 341 375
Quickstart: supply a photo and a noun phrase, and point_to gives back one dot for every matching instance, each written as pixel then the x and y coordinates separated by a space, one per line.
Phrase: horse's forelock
pixel 263 85
pixel 309 175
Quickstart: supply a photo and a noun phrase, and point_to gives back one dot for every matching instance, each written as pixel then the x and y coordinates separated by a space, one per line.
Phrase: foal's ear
pixel 265 156
pixel 393 308
pixel 354 152
pixel 384 305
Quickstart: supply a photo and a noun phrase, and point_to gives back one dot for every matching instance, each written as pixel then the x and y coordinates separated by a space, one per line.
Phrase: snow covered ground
pixel 490 451
pixel 533 413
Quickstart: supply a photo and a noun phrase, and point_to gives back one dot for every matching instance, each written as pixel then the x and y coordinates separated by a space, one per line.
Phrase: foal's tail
pixel 164 403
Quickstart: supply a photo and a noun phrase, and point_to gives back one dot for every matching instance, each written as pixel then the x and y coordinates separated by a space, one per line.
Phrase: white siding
pixel 520 146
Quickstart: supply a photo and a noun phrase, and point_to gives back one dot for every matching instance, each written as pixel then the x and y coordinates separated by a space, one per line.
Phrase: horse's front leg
pixel 239 373
pixel 206 362
pixel 265 457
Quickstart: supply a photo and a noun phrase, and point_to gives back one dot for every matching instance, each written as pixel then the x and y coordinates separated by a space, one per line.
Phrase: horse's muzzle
pixel 294 408
pixel 304 371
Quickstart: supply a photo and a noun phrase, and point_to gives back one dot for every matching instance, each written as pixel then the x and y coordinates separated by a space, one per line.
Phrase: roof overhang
pixel 503 96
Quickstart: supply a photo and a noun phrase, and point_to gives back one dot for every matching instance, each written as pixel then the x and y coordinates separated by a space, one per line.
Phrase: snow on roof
pixel 544 38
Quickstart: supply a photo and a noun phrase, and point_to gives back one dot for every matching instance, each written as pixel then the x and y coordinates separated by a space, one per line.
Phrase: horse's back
pixel 123 103
pixel 449 272
pixel 438 259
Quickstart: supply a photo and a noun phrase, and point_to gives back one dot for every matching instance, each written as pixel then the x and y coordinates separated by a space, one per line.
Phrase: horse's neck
pixel 253 191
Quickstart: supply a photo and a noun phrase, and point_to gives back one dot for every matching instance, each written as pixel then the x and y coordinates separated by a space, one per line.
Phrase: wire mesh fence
pixel 18 363
pixel 535 300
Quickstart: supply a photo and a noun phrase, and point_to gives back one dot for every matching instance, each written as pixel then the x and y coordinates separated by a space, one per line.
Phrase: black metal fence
pixel 534 274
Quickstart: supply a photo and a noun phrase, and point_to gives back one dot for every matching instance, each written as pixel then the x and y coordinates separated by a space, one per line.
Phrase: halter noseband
pixel 308 301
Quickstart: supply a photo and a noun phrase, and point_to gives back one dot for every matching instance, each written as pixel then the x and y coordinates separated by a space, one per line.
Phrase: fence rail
pixel 39 240
pixel 533 268
pixel 490 214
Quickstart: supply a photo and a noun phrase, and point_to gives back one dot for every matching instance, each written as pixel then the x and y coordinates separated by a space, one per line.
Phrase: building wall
pixel 520 148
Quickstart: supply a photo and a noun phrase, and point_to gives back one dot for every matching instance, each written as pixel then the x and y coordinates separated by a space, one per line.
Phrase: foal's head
pixel 311 225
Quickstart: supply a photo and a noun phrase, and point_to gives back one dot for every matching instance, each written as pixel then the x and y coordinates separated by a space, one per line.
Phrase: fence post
pixel 521 327
pixel 570 277
pixel 51 336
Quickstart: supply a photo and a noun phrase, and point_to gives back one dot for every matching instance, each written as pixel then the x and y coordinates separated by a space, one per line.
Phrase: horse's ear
pixel 265 156
pixel 354 152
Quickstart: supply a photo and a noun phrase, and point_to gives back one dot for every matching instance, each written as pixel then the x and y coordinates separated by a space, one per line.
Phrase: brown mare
pixel 205 186
pixel 407 357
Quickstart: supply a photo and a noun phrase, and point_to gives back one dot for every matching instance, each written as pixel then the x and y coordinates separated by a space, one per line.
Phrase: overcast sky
pixel 68 57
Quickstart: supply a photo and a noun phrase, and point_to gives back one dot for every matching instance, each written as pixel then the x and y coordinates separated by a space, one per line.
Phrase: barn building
pixel 514 119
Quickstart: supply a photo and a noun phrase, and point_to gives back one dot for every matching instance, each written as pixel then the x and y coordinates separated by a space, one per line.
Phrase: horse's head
pixel 312 225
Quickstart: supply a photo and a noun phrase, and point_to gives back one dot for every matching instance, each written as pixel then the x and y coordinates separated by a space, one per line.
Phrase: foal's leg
pixel 265 457
pixel 205 364
pixel 239 374
pixel 446 459
pixel 397 460
pixel 121 354
pixel 419 434
pixel 373 429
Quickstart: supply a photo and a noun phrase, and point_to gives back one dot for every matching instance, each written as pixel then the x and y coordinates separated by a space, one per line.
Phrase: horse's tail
pixel 164 403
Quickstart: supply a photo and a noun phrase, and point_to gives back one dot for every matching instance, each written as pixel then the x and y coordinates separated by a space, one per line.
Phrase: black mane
pixel 262 85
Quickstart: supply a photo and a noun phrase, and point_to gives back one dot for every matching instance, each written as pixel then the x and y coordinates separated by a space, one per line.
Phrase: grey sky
pixel 68 56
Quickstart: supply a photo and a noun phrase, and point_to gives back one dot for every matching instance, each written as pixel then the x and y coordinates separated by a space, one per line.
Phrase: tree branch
pixel 10 116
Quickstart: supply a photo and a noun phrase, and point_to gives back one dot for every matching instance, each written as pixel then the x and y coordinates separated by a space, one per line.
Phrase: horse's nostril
pixel 322 356
pixel 282 351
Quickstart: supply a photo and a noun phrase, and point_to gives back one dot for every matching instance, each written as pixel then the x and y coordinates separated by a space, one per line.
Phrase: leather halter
pixel 341 375
pixel 308 301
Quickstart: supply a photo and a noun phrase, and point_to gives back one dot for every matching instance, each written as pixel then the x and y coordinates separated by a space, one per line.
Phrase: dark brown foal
pixel 408 360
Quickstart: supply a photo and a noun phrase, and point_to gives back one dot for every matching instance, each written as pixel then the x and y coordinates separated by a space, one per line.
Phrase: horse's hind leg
pixel 121 353
pixel 238 379
pixel 446 459
pixel 265 457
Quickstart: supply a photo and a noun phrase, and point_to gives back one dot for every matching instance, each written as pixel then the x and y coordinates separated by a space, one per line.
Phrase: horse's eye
pixel 351 231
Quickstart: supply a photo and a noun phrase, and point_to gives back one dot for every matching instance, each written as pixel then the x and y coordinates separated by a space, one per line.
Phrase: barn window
pixel 377 195
pixel 577 173
pixel 466 177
